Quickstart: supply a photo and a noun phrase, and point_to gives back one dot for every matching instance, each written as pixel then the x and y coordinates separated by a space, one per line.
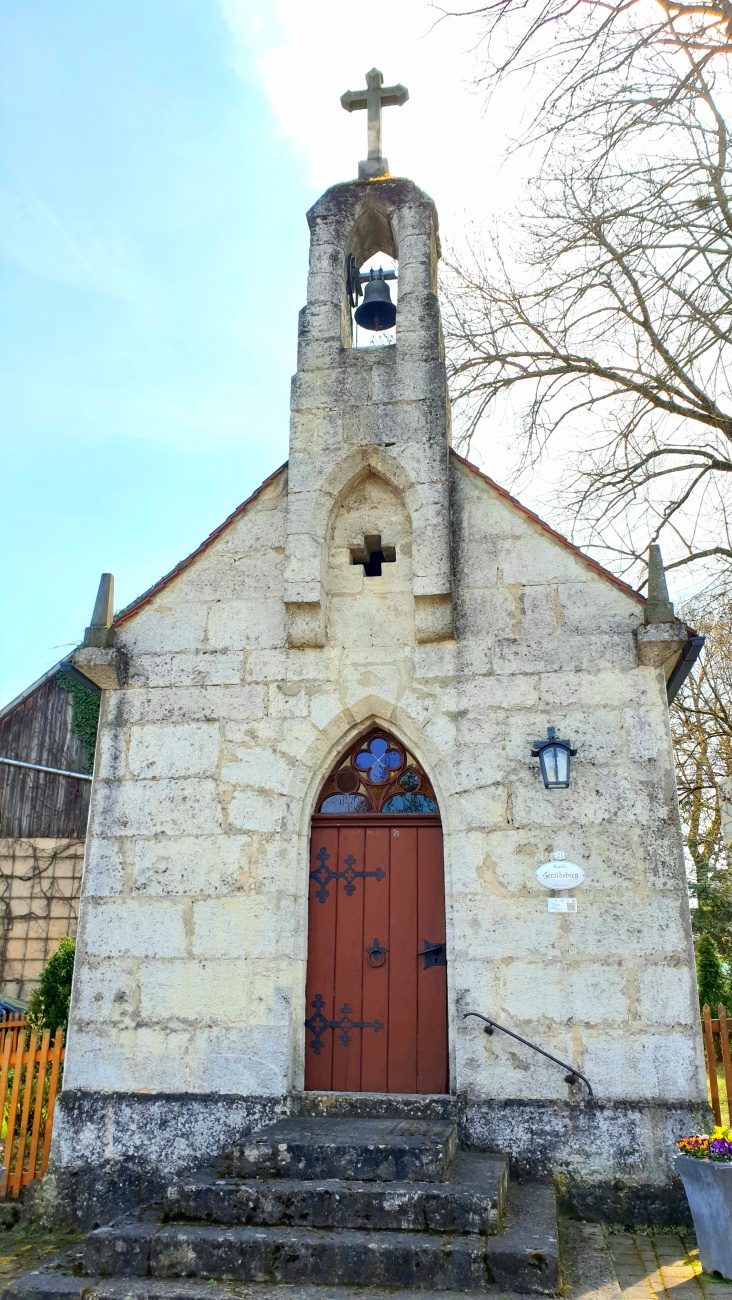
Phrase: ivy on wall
pixel 40 880
pixel 85 714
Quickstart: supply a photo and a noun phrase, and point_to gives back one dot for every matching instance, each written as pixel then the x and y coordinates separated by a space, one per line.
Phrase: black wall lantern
pixel 554 756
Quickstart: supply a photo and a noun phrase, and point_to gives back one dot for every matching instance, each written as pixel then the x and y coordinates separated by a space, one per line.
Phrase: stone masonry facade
pixel 236 684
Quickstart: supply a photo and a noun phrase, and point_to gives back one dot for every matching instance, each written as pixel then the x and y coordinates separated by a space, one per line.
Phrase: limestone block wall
pixel 192 934
pixel 40 883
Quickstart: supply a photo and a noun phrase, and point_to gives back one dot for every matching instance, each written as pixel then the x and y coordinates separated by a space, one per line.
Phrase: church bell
pixel 377 311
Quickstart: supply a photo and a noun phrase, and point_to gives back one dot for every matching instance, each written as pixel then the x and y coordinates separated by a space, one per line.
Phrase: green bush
pixel 711 974
pixel 49 1006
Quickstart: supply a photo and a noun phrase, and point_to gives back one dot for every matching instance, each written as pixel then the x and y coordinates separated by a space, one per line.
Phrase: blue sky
pixel 158 160
pixel 154 251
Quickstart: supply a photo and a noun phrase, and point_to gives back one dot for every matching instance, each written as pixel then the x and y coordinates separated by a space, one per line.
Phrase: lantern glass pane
pixel 555 766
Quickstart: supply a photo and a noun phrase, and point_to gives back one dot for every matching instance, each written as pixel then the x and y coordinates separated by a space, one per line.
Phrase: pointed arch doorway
pixel 377 978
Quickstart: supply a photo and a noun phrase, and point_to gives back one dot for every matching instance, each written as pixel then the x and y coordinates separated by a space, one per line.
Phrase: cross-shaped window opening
pixel 372 555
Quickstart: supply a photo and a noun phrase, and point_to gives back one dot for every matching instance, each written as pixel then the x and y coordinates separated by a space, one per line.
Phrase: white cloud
pixel 307 52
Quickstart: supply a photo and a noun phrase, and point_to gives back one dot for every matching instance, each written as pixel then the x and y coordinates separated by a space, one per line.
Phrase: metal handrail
pixel 39 767
pixel 572 1076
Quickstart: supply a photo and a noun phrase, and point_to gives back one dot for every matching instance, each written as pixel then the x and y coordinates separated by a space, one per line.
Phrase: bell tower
pixel 380 410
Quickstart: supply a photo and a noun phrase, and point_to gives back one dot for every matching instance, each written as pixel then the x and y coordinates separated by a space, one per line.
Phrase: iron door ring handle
pixel 376 954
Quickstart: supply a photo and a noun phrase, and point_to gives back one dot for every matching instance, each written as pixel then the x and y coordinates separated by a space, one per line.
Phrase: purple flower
pixel 720 1149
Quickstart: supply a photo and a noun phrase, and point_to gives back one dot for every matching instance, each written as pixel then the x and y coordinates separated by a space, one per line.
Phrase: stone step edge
pixel 347 1148
pixel 46 1284
pixel 374 1105
pixel 524 1258
pixel 296 1256
pixel 435 1194
pixel 591 1275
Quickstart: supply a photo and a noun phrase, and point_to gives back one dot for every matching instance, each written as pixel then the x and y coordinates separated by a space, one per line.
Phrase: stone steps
pixel 329 1202
pixel 523 1258
pixel 288 1255
pixel 384 1150
pixel 38 1286
pixel 472 1199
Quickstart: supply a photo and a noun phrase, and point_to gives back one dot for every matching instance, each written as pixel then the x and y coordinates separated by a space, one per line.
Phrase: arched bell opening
pixel 372 252
pixel 376 993
pixel 373 299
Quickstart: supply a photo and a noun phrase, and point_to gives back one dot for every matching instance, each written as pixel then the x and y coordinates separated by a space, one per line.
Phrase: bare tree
pixel 608 312
pixel 701 723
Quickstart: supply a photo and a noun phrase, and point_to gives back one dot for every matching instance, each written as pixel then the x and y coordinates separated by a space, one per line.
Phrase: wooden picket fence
pixel 13 1027
pixel 30 1077
pixel 718 1051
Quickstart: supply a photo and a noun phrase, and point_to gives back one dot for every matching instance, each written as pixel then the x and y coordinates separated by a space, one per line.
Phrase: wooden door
pixel 376 1004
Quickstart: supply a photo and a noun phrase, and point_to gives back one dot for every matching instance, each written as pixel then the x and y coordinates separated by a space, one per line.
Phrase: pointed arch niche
pixel 370 604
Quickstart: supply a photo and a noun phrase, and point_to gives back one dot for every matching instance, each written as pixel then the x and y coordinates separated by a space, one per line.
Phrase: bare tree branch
pixel 701 724
pixel 607 312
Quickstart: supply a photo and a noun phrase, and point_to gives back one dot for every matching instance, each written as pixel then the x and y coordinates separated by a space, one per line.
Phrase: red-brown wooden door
pixel 376 1022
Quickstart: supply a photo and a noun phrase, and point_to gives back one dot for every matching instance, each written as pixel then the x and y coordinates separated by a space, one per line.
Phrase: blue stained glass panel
pixel 379 759
pixel 409 803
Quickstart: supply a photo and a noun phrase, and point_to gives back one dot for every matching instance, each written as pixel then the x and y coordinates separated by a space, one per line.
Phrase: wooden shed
pixel 43 818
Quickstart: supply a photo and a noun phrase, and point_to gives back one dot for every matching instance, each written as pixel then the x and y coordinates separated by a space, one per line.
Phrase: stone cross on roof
pixel 375 97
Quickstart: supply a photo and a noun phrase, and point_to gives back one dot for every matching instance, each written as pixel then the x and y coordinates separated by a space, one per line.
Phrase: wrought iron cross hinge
pixel 318 1023
pixel 323 875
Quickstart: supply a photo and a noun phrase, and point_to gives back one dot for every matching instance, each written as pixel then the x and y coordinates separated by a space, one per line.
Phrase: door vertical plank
pixel 348 954
pixel 403 961
pixel 432 1069
pixel 374 1046
pixel 321 957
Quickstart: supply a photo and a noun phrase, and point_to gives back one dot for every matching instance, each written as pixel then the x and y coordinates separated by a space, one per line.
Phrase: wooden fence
pixel 717 1050
pixel 30 1076
pixel 12 1027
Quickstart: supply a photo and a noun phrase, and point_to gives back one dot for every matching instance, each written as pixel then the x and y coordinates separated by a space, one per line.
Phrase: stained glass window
pixel 345 803
pixel 377 775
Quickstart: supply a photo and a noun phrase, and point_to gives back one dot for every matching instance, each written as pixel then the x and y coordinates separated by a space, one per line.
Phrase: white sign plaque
pixel 560 875
pixel 561 904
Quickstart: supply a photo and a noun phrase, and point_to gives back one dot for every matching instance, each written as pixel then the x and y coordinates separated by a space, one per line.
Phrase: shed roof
pixel 13 704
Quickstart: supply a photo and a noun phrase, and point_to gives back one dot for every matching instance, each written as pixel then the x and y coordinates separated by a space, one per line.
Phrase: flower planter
pixel 708 1187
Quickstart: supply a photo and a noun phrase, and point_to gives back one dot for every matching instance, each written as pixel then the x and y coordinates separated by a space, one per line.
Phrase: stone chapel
pixel 320 800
